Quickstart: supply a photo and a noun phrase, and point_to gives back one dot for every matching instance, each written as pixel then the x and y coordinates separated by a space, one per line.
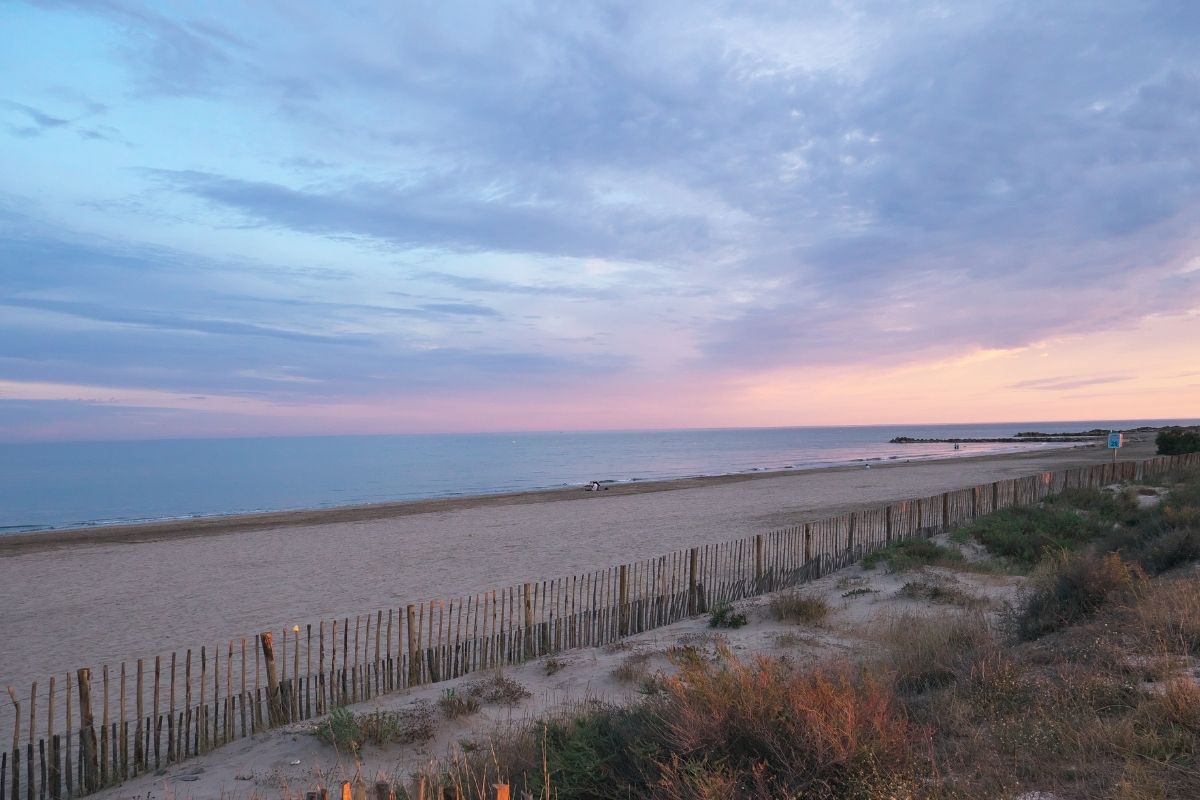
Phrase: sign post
pixel 1115 440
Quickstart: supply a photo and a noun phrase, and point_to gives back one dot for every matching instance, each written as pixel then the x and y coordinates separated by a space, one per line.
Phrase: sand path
pixel 92 602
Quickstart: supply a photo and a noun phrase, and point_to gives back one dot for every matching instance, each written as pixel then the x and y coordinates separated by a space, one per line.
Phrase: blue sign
pixel 1115 440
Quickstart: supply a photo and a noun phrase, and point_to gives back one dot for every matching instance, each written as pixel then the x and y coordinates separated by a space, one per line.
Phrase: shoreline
pixel 223 524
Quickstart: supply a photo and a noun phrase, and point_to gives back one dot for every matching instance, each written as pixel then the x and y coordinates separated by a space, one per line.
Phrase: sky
pixel 277 218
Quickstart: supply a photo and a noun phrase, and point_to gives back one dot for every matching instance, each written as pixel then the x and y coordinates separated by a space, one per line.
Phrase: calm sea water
pixel 53 485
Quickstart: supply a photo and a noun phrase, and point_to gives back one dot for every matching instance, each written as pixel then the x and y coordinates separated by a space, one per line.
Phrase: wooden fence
pixel 158 712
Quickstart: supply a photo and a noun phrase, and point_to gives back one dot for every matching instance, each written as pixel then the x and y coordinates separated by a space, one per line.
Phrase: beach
pixel 95 596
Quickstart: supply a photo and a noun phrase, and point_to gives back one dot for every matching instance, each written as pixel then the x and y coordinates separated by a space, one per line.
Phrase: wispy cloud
pixel 1069 382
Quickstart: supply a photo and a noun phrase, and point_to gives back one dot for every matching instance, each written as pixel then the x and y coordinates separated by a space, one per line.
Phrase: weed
pixel 702 639
pixel 1106 505
pixel 1071 587
pixel 940 592
pixel 797 606
pixel 633 669
pixel 1166 615
pixel 723 615
pixel 554 665
pixel 454 704
pixel 349 732
pixel 498 689
pixel 908 554
pixel 340 730
pixel 926 652
pixel 859 592
pixel 1025 535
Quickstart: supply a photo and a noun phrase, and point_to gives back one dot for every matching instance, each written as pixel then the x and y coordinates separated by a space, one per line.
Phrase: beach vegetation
pixel 1176 441
pixel 800 607
pixel 497 689
pixel 349 732
pixel 634 668
pixel 1072 586
pixel 1110 506
pixel 761 728
pixel 906 554
pixel 455 704
pixel 724 615
pixel 1024 536
pixel 940 591
pixel 925 652
pixel 1093 670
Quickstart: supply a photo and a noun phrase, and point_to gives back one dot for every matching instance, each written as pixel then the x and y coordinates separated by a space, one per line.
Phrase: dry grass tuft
pixel 925 652
pixel 498 689
pixel 800 607
pixel 941 592
pixel 457 704
pixel 634 669
pixel 1166 614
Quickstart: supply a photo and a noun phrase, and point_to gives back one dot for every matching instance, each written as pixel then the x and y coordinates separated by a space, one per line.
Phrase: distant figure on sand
pixel 594 486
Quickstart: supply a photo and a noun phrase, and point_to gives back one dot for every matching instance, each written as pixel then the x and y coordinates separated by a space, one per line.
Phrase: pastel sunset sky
pixel 261 218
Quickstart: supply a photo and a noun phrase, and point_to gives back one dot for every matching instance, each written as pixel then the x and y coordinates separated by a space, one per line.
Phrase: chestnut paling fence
pixel 104 727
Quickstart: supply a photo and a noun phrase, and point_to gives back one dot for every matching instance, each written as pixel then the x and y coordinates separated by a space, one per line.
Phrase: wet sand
pixel 92 596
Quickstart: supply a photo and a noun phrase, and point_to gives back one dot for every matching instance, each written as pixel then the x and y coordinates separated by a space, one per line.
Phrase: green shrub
pixel 723 615
pixel 1176 441
pixel 340 729
pixel 1111 506
pixel 349 732
pixel 911 553
pixel 1071 587
pixel 1025 535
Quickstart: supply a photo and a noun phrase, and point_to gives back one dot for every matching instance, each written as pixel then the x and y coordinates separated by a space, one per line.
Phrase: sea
pixel 48 485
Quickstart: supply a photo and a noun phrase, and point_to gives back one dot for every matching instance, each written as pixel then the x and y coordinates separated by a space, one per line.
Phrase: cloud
pixel 37 122
pixel 457 195
pixel 474 283
pixel 459 215
pixel 1065 383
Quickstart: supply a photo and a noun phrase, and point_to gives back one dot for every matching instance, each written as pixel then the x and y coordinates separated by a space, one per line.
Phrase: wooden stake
pixel 414 662
pixel 275 705
pixel 87 732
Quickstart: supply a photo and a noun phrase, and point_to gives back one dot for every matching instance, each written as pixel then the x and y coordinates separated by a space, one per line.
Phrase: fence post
pixel 623 600
pixel 527 600
pixel 87 731
pixel 414 643
pixel 16 749
pixel 758 563
pixel 274 701
pixel 693 563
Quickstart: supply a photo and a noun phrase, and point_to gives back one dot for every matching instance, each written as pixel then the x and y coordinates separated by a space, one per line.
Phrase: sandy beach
pixel 95 596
